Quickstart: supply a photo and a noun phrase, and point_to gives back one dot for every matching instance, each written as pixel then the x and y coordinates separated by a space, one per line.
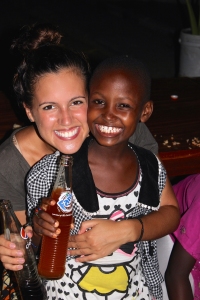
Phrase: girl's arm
pixel 177 274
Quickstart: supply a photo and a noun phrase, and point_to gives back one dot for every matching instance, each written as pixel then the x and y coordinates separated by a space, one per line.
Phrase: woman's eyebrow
pixel 51 102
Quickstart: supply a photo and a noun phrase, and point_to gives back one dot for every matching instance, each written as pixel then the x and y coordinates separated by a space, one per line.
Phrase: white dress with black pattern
pixel 114 277
pixel 126 273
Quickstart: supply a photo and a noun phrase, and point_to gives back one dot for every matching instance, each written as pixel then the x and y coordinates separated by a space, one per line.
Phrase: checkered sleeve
pixel 40 180
pixel 162 176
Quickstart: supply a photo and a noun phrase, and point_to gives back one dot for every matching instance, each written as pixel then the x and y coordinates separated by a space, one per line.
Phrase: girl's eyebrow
pixel 95 93
pixel 50 102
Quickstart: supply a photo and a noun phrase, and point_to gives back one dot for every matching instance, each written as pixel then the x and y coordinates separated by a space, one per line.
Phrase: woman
pixel 51 85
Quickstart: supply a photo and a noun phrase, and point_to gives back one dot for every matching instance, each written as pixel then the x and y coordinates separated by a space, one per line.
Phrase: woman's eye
pixel 77 102
pixel 48 107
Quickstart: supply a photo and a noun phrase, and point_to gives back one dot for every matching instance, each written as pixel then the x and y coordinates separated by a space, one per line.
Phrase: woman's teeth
pixel 66 134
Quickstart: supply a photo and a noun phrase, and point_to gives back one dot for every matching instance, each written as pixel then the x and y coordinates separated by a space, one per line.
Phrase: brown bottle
pixel 54 250
pixel 30 284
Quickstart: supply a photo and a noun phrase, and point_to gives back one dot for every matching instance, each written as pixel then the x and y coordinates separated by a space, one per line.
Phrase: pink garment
pixel 188 233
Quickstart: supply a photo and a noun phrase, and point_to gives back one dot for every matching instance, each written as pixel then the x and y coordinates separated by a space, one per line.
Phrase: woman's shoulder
pixel 48 161
pixel 9 154
pixel 47 166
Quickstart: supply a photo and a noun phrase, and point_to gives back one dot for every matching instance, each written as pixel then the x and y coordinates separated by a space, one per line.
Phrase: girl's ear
pixel 28 113
pixel 146 111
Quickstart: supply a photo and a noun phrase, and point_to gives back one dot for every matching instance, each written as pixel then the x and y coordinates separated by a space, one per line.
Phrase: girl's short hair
pixel 134 66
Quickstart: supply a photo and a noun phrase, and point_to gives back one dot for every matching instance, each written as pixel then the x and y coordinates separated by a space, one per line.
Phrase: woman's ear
pixel 28 113
pixel 146 111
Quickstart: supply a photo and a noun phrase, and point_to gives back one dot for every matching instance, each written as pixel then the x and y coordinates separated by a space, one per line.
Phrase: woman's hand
pixel 98 238
pixel 11 258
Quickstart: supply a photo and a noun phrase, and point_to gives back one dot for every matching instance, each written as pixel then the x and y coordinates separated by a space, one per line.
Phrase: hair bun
pixel 33 37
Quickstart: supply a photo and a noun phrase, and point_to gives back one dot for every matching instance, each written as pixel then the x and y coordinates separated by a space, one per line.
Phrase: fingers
pixel 13 267
pixel 5 244
pixel 29 231
pixel 46 202
pixel 86 225
pixel 86 258
pixel 79 252
pixel 11 258
pixel 13 262
pixel 44 224
pixel 44 216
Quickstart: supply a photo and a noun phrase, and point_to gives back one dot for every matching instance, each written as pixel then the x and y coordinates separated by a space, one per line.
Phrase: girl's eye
pixel 98 101
pixel 48 107
pixel 124 105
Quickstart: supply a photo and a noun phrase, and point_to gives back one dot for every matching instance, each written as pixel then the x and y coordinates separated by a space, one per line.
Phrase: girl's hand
pixel 43 223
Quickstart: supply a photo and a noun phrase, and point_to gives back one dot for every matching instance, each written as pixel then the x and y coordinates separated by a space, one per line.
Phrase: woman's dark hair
pixel 42 53
pixel 132 65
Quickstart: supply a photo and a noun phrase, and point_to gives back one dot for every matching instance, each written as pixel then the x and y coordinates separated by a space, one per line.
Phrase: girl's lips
pixel 67 134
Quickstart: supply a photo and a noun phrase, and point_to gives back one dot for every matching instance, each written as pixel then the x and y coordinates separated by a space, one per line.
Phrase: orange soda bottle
pixel 54 250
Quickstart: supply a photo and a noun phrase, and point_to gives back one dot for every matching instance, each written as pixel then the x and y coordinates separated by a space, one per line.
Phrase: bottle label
pixel 24 236
pixel 65 202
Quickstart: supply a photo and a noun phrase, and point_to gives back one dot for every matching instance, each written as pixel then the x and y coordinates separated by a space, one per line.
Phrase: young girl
pixel 121 189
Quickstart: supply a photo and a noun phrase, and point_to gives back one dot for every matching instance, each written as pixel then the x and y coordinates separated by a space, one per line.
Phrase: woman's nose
pixel 65 117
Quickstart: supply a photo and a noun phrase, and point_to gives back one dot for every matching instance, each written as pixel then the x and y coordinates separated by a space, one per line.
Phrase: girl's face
pixel 60 110
pixel 115 107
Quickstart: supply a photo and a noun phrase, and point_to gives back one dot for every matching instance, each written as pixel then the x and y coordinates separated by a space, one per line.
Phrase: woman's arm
pixel 166 219
pixel 11 258
pixel 106 236
pixel 177 274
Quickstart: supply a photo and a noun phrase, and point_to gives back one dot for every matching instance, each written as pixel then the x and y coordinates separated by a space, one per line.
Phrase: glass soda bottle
pixel 54 250
pixel 29 282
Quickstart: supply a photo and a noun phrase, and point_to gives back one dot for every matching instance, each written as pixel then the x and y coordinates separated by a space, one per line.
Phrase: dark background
pixel 146 29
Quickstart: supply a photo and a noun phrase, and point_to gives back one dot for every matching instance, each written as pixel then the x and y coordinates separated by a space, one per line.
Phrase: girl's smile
pixel 114 107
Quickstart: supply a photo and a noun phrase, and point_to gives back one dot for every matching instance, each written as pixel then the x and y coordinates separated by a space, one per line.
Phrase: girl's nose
pixel 109 113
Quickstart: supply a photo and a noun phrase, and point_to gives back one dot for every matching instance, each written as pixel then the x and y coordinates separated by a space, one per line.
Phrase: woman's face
pixel 59 110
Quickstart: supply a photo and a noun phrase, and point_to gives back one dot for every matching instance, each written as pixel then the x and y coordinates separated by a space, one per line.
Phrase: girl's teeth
pixel 109 129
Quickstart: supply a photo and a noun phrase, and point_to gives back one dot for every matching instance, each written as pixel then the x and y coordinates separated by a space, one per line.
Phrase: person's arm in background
pixel 142 137
pixel 177 274
pixel 185 252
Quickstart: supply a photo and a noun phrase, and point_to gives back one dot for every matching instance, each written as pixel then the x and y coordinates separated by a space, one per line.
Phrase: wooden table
pixel 174 123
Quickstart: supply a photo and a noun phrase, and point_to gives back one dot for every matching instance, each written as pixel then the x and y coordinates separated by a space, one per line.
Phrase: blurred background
pixel 146 29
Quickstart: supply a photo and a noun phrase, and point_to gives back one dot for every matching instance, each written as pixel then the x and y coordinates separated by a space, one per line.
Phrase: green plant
pixel 195 24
